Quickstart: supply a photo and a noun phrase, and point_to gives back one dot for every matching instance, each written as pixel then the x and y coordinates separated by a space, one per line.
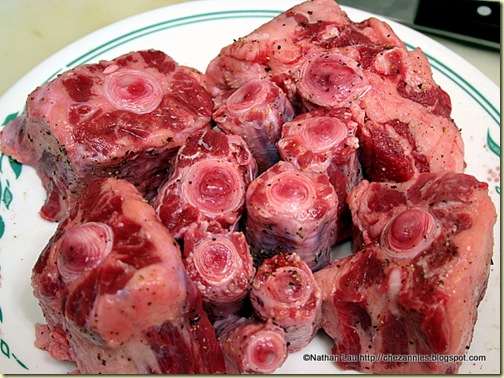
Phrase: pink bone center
pixel 409 233
pixel 83 247
pixel 213 186
pixel 133 91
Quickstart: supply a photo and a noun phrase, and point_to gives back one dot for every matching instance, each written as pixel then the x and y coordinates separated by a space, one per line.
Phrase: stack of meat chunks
pixel 198 212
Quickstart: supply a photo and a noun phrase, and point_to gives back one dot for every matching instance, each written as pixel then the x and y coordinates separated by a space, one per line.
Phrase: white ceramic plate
pixel 193 33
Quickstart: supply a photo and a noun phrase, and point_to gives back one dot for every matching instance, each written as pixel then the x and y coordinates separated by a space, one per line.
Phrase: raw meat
pixel 113 289
pixel 414 285
pixel 54 342
pixel 325 141
pixel 285 291
pixel 251 346
pixel 404 132
pixel 329 80
pixel 313 51
pixel 289 210
pixel 256 111
pixel 275 50
pixel 123 118
pixel 322 59
pixel 207 188
pixel 221 266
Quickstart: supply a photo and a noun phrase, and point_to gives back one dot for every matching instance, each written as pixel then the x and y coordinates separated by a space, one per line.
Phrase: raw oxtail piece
pixel 256 111
pixel 123 118
pixel 289 210
pixel 324 140
pixel 322 59
pixel 405 117
pixel 421 268
pixel 277 49
pixel 114 292
pixel 284 291
pixel 207 188
pixel 251 346
pixel 221 266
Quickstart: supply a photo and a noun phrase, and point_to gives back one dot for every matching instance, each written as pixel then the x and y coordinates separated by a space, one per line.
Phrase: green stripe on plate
pixel 168 24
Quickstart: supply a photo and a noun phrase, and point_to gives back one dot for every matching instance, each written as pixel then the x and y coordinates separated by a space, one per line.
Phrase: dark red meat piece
pixel 251 346
pixel 207 187
pixel 115 294
pixel 421 269
pixel 289 210
pixel 321 59
pixel 123 118
pixel 403 135
pixel 284 290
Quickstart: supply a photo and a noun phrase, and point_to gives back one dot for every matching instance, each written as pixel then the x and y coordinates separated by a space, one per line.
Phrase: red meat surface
pixel 207 188
pixel 289 210
pixel 114 292
pixel 284 291
pixel 420 270
pixel 322 59
pixel 122 118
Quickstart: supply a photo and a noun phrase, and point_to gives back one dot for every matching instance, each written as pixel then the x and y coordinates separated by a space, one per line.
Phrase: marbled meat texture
pixel 420 271
pixel 207 188
pixel 115 294
pixel 289 210
pixel 122 118
pixel 322 59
